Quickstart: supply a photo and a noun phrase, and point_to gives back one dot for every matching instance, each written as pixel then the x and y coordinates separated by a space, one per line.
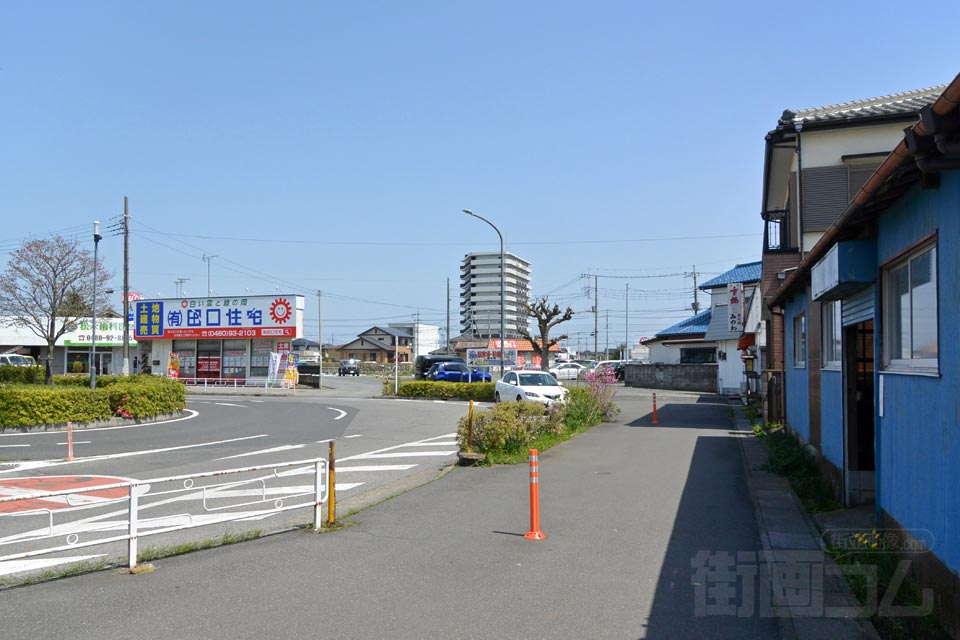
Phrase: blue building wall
pixel 918 437
pixel 796 379
pixel 831 416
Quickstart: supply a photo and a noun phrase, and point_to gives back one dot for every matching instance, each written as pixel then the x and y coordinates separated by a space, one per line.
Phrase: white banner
pixel 735 306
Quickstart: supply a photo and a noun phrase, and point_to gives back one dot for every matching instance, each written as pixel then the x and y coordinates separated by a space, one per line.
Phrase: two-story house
pixel 815 161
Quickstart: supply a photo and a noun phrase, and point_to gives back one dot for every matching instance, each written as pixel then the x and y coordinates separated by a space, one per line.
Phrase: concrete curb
pixel 784 525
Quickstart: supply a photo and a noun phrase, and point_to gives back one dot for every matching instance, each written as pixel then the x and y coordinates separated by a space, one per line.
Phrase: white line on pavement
pixel 40 464
pixel 7 446
pixel 341 411
pixel 356 435
pixel 369 456
pixel 286 447
pixel 230 404
pixel 377 467
pixel 63 444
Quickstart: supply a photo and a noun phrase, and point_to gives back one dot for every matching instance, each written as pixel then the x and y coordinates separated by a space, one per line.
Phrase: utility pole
pixel 208 260
pixel 179 282
pixel 606 340
pixel 696 303
pixel 596 317
pixel 447 346
pixel 320 339
pixel 416 336
pixel 626 340
pixel 126 288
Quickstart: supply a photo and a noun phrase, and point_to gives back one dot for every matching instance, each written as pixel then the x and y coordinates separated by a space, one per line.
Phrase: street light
pixel 93 334
pixel 502 277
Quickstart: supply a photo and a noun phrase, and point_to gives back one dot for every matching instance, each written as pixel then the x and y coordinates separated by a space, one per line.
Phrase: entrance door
pixel 860 468
pixel 208 358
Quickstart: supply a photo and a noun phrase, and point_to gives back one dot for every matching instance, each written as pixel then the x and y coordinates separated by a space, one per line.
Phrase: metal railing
pixel 237 383
pixel 253 496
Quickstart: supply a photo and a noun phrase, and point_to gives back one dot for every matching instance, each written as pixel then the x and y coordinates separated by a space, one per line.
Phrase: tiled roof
pixel 896 104
pixel 746 272
pixel 691 326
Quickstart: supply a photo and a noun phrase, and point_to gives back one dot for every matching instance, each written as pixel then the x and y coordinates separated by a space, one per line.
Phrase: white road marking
pixel 193 414
pixel 341 411
pixel 16 566
pixel 451 443
pixel 287 447
pixel 369 456
pixel 230 404
pixel 63 444
pixel 357 435
pixel 376 454
pixel 8 446
pixel 377 467
pixel 41 464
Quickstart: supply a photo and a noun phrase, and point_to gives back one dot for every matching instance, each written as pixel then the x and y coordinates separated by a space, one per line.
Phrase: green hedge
pixel 125 396
pixel 510 426
pixel 481 391
pixel 21 375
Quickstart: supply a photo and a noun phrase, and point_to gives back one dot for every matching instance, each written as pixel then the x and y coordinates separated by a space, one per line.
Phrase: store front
pixel 222 338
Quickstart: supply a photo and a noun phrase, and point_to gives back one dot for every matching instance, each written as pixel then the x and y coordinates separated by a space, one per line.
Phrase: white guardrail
pixel 86 511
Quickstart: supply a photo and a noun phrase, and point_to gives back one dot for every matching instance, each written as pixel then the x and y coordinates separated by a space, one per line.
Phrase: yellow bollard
pixel 470 427
pixel 331 486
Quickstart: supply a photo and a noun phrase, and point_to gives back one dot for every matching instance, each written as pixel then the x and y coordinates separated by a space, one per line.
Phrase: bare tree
pixel 48 286
pixel 547 318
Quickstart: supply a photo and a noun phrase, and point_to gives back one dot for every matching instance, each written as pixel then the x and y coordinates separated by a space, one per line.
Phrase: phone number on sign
pixel 229 333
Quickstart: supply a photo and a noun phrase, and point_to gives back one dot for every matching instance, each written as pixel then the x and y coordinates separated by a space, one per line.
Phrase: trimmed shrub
pixel 480 391
pixel 21 375
pixel 510 426
pixel 126 396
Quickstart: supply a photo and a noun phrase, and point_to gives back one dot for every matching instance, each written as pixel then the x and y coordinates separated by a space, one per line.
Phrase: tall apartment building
pixel 480 294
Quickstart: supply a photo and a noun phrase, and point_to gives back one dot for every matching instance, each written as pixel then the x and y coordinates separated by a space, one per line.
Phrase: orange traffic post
pixel 655 421
pixel 70 457
pixel 534 533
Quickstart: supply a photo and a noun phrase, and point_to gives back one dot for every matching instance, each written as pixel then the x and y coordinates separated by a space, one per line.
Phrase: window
pixel 800 341
pixel 698 355
pixel 910 340
pixel 832 331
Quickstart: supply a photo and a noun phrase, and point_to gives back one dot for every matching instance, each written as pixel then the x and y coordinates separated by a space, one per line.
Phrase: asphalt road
pixel 379 442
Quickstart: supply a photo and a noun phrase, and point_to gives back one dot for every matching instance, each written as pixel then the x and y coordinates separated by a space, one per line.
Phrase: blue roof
pixel 696 324
pixel 746 272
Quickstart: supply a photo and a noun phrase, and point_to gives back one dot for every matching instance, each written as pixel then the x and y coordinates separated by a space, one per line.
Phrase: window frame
pixel 686 352
pixel 890 306
pixel 831 335
pixel 800 346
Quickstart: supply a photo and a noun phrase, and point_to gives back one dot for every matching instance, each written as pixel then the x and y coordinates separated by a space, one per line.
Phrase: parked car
pixel 16 360
pixel 456 372
pixel 605 365
pixel 533 386
pixel 567 370
pixel 349 367
pixel 424 363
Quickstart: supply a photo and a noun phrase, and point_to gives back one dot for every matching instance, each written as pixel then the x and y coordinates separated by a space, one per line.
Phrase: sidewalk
pixel 786 528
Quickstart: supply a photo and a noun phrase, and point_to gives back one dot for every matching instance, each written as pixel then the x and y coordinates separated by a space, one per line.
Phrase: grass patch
pixel 791 459
pixel 540 443
pixel 922 626
pixel 168 551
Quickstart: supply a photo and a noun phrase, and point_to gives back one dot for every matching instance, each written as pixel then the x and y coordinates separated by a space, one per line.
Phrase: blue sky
pixel 332 146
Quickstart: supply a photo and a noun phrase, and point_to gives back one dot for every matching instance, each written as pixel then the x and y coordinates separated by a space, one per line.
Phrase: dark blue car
pixel 456 372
